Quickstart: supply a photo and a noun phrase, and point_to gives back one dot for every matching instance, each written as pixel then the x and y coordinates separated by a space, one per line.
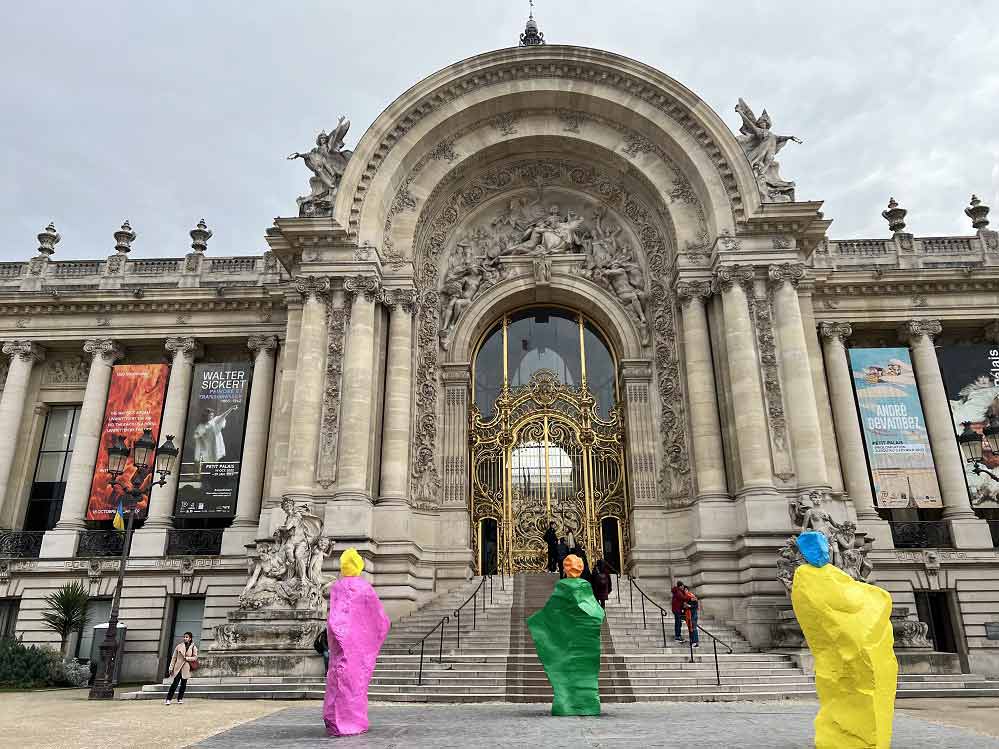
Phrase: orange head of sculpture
pixel 573 566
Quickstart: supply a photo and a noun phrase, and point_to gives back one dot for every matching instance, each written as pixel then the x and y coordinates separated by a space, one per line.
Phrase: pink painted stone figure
pixel 356 629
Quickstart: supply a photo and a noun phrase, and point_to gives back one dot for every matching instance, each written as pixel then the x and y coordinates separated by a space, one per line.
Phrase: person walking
pixel 551 539
pixel 601 583
pixel 562 552
pixel 185 660
pixel 677 607
pixel 322 646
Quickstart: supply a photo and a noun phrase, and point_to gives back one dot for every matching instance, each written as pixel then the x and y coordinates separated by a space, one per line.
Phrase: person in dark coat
pixel 579 551
pixel 562 551
pixel 551 539
pixel 677 606
pixel 601 583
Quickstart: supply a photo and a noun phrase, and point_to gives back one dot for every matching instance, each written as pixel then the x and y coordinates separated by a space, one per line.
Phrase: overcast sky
pixel 167 112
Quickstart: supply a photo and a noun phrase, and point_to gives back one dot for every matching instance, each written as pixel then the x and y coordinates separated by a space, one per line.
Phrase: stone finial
pixel 49 238
pixel 123 239
pixel 978 213
pixel 200 235
pixel 895 216
pixel 532 36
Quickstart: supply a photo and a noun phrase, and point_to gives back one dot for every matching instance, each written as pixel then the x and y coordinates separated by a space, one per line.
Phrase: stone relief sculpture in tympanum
pixel 287 571
pixel 446 291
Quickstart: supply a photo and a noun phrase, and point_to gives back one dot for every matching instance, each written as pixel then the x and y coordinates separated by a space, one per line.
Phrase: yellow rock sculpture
pixel 848 628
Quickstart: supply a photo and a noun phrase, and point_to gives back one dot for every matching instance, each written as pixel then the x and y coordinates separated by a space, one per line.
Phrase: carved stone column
pixel 753 443
pixel 352 498
pixel 796 371
pixel 396 441
pixel 258 418
pixel 303 441
pixel 968 530
pixel 163 498
pixel 23 356
pixel 704 425
pixel 61 541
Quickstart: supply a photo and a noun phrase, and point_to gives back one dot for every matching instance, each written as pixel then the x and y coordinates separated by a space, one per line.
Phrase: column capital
pixel 26 351
pixel 688 291
pixel 403 299
pixel 104 348
pixel 836 331
pixel 262 344
pixel 992 332
pixel 779 274
pixel 185 346
pixel 727 276
pixel 312 287
pixel 369 286
pixel 911 330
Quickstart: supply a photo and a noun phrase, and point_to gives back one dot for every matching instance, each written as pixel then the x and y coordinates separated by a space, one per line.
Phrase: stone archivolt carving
pixel 327 162
pixel 761 147
pixel 848 549
pixel 287 571
pixel 433 233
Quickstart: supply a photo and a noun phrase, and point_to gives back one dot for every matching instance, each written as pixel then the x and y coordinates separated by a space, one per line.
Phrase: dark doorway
pixel 611 541
pixel 934 608
pixel 487 546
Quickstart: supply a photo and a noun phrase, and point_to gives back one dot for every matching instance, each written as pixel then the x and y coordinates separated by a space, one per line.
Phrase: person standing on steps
pixel 185 660
pixel 551 539
pixel 562 552
pixel 601 583
pixel 322 646
pixel 677 607
pixel 690 611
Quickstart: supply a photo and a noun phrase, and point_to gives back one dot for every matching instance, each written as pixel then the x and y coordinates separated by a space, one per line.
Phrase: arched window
pixel 553 338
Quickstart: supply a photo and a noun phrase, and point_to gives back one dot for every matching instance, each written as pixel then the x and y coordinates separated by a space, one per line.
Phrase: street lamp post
pixel 143 450
pixel 972 449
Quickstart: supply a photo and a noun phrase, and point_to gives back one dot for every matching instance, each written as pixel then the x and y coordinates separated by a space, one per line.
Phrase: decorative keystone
pixel 895 216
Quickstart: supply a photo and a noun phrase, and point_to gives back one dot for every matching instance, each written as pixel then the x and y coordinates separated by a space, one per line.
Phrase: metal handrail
pixel 690 640
pixel 474 599
pixel 422 641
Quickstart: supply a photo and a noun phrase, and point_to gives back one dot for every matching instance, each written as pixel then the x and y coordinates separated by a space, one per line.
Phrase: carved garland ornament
pixel 433 233
pixel 338 318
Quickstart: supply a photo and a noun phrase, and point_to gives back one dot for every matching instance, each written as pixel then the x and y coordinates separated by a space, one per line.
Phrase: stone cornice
pixel 46 305
pixel 880 286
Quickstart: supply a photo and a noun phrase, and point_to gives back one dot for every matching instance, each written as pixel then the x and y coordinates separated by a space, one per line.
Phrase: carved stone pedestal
pixel 270 642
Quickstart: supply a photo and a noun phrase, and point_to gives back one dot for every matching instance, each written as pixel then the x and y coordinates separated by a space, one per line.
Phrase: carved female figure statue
pixel 761 146
pixel 328 160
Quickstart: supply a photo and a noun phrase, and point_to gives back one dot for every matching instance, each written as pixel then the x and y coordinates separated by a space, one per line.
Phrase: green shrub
pixel 32 667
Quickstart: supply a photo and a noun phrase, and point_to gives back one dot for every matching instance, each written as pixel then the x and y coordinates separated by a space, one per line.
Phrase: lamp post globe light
pixel 146 458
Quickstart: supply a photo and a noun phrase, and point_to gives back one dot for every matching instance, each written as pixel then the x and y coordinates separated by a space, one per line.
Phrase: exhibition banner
pixel 891 417
pixel 213 441
pixel 971 378
pixel 135 403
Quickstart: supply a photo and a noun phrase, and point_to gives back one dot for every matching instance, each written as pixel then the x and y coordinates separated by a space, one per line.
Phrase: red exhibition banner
pixel 135 403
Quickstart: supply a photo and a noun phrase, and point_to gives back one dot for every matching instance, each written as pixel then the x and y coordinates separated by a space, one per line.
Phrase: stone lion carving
pixel 848 549
pixel 287 571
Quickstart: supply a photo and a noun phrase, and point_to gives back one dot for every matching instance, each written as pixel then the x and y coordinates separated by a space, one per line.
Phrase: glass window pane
pixel 50 467
pixel 489 371
pixel 76 423
pixel 544 339
pixel 599 370
pixel 58 428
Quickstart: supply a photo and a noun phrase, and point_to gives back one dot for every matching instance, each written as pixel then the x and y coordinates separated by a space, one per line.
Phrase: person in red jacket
pixel 680 594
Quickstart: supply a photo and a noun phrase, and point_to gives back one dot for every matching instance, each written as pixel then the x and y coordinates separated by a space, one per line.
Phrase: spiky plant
pixel 66 611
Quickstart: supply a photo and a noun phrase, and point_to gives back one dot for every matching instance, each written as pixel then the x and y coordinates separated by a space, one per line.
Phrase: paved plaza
pixel 735 725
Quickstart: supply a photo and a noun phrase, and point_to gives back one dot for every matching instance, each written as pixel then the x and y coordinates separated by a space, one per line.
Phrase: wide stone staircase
pixel 486 654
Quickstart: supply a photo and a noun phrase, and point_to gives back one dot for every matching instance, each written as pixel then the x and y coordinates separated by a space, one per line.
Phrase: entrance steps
pixel 496 661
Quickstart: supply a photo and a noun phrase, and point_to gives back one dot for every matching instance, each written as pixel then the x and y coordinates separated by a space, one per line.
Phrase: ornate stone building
pixel 548 283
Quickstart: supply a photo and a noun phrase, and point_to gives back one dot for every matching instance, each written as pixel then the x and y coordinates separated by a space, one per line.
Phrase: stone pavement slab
pixel 774 725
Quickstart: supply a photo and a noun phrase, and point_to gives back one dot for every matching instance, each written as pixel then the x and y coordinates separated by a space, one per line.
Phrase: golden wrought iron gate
pixel 545 454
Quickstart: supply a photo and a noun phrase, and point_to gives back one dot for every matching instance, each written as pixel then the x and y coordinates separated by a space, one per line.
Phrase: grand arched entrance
pixel 546 441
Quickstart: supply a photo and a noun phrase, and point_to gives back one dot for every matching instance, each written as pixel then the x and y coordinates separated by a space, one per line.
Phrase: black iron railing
pixel 486 592
pixel 21 544
pixel 192 542
pixel 921 534
pixel 632 585
pixel 100 544
pixel 442 624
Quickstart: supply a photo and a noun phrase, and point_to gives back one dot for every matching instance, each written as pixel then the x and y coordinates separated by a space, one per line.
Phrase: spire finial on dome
pixel 531 37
